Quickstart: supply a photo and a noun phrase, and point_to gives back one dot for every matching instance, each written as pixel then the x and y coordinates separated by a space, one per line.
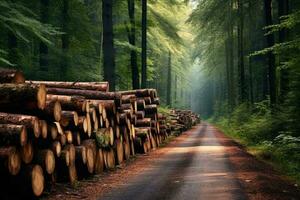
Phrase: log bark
pixel 69 118
pixel 140 114
pixel 128 98
pixel 137 93
pixel 30 122
pixel 53 109
pixel 105 107
pixel 70 103
pixel 151 109
pixel 44 128
pixel 11 134
pixel 98 86
pixel 141 104
pixel 89 94
pixel 146 122
pixel 22 96
pixel 11 76
pixel 127 107
pixel 76 138
pixel 27 153
pixel 63 159
pixel 80 154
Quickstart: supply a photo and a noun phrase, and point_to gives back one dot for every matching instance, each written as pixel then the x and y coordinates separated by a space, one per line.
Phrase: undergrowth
pixel 265 134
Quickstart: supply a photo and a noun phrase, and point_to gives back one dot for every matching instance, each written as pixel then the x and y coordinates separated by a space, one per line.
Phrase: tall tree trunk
pixel 144 44
pixel 175 89
pixel 133 54
pixel 65 39
pixel 44 10
pixel 228 75
pixel 271 56
pixel 283 9
pixel 241 63
pixel 108 44
pixel 232 94
pixel 169 80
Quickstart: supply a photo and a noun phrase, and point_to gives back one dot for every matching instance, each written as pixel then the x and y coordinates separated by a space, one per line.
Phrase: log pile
pixel 181 120
pixel 66 131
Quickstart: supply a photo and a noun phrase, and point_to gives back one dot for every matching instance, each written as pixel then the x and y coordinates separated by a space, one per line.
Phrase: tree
pixel 169 80
pixel 144 44
pixel 241 63
pixel 65 43
pixel 108 44
pixel 44 4
pixel 271 56
pixel 132 37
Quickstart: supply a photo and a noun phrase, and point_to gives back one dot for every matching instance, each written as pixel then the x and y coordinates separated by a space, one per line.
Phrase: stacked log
pixel 182 120
pixel 64 131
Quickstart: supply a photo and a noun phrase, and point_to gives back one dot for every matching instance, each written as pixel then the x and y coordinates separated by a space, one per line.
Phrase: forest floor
pixel 200 164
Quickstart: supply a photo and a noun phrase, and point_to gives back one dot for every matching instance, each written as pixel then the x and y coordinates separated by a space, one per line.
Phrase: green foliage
pixel 265 135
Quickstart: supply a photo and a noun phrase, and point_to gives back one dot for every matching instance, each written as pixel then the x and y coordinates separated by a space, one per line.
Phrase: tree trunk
pixel 108 43
pixel 271 56
pixel 131 38
pixel 65 38
pixel 283 9
pixel 44 12
pixel 169 81
pixel 241 63
pixel 144 44
pixel 27 153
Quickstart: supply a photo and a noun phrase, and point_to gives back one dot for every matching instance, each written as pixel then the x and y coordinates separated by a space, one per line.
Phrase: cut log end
pixel 90 162
pixel 23 136
pixel 50 162
pixel 37 180
pixel 57 111
pixel 27 153
pixel 41 97
pixel 14 163
pixel 56 148
pixel 43 128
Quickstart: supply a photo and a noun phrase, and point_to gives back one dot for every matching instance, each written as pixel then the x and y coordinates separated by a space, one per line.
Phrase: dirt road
pixel 195 168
